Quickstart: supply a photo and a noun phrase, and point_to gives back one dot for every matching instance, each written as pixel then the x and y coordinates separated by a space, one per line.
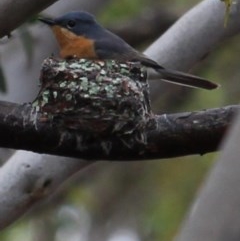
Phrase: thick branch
pixel 193 37
pixel 27 178
pixel 214 215
pixel 169 136
pixel 204 26
pixel 13 13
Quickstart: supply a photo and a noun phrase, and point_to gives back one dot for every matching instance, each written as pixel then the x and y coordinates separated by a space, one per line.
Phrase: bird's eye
pixel 71 23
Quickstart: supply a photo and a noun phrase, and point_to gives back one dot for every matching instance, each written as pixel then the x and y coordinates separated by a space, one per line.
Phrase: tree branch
pixel 214 215
pixel 21 10
pixel 204 26
pixel 27 178
pixel 101 110
pixel 167 135
pixel 193 37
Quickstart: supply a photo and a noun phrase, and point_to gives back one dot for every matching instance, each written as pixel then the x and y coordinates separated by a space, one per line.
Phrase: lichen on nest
pixel 94 97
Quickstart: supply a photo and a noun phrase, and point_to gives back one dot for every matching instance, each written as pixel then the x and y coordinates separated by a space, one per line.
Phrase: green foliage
pixel 117 10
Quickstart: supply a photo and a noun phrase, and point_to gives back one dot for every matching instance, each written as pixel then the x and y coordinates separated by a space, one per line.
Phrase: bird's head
pixel 75 33
pixel 78 23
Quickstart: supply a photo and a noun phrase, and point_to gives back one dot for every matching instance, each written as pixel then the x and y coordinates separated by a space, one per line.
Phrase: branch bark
pixel 25 181
pixel 215 213
pixel 14 13
pixel 167 135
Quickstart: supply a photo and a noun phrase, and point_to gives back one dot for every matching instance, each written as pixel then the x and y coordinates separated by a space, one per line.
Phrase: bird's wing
pixel 115 48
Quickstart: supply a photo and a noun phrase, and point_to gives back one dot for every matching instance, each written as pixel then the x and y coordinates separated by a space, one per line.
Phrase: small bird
pixel 79 35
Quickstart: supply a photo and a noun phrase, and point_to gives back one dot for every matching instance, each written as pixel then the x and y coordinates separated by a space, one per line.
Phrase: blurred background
pixel 114 201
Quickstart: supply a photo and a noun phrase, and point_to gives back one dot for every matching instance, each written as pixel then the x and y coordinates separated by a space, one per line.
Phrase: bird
pixel 79 35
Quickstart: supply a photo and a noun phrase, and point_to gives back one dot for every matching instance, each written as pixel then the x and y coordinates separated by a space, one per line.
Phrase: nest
pixel 98 98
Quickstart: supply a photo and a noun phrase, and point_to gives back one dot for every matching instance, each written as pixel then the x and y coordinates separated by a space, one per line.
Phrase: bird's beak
pixel 47 21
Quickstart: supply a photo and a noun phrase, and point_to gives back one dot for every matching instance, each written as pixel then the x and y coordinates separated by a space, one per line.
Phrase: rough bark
pixel 215 213
pixel 170 135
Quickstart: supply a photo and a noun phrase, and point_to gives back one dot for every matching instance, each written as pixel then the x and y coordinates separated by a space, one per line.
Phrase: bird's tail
pixel 178 77
pixel 186 79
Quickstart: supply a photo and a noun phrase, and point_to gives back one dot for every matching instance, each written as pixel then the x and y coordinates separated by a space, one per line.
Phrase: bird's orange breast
pixel 72 45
